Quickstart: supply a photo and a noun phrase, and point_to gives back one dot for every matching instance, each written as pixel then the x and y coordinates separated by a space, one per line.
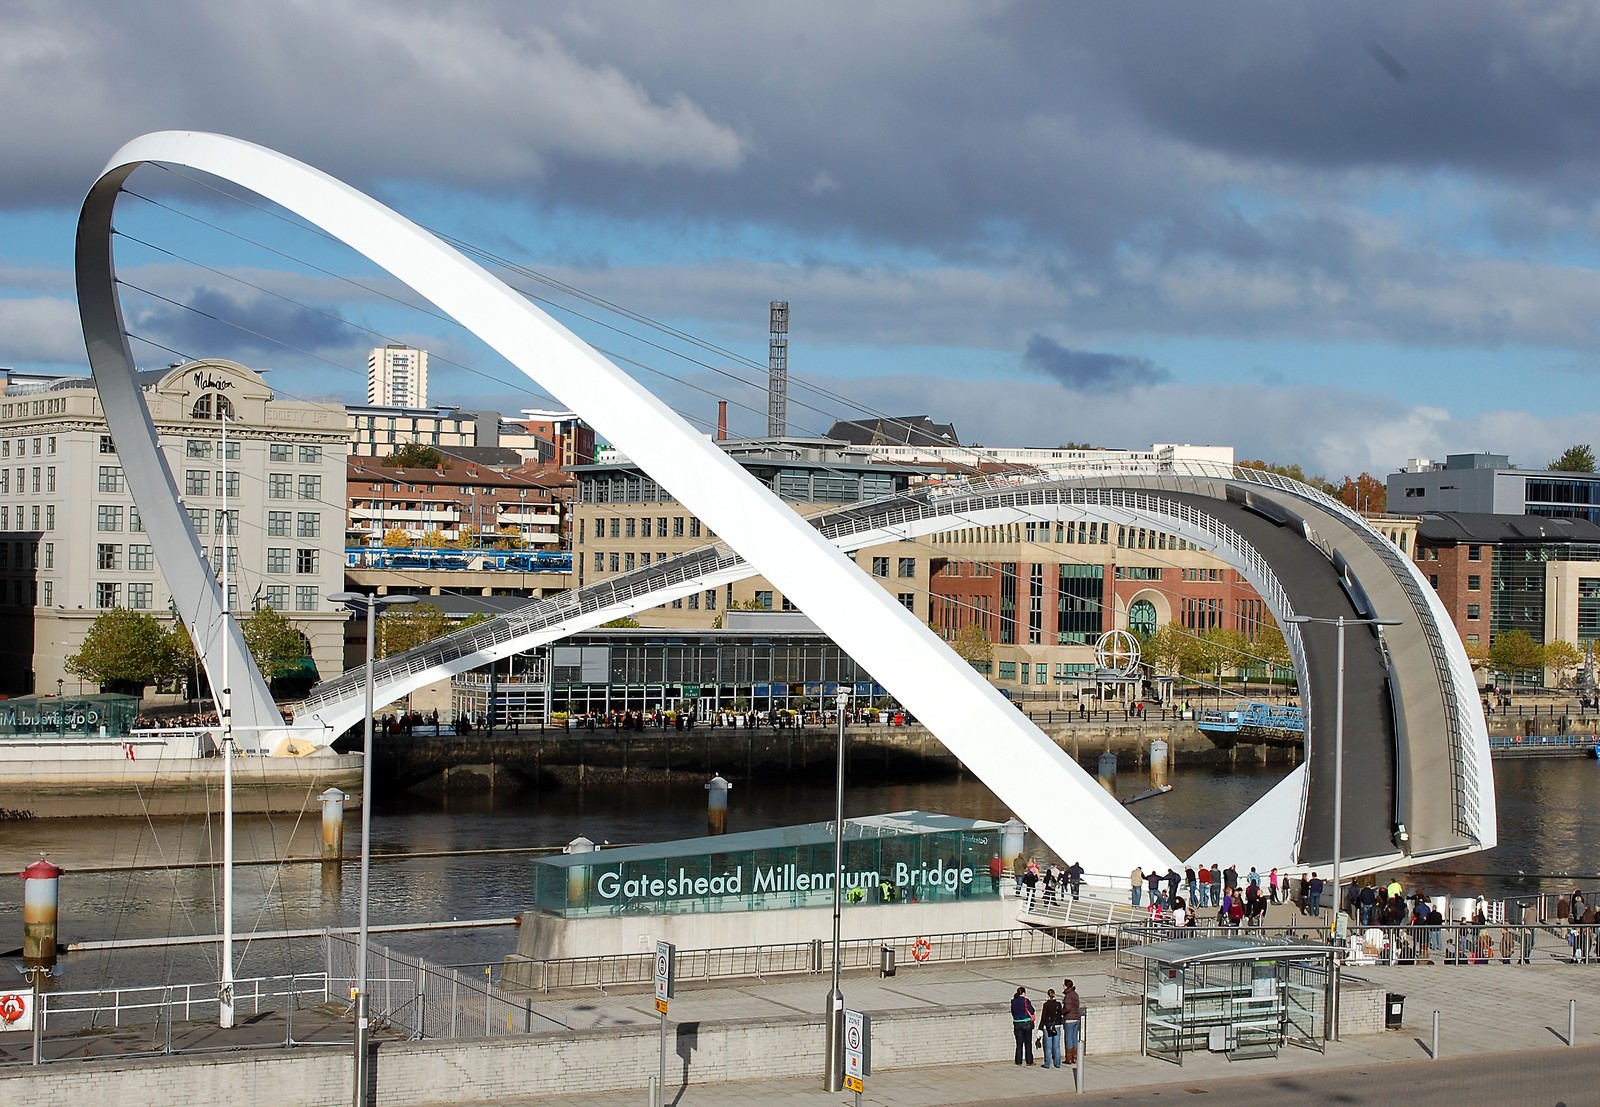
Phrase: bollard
pixel 1106 772
pixel 1012 839
pixel 1083 1049
pixel 1434 1054
pixel 578 875
pixel 332 824
pixel 650 1092
pixel 1159 760
pixel 1572 1022
pixel 717 805
pixel 41 883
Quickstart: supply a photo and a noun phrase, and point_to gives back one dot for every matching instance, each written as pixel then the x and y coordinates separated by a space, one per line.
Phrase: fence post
pixel 1572 1022
pixel 455 999
pixel 422 1001
pixel 288 1017
pixel 1434 1053
pixel 488 999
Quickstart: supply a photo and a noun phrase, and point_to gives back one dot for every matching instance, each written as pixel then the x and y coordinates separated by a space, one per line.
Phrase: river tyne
pixel 133 878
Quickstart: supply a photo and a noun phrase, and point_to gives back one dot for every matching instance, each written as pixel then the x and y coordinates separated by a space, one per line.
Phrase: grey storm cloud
pixel 209 323
pixel 1088 371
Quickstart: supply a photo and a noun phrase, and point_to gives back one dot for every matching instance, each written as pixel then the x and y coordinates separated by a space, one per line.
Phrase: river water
pixel 1549 841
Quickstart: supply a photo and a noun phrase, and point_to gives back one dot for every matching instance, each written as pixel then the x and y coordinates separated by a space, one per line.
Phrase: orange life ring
pixel 920 949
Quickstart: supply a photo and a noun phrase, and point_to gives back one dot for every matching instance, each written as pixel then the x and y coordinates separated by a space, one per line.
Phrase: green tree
pixel 274 641
pixel 1515 652
pixel 126 649
pixel 1162 649
pixel 1575 459
pixel 1563 657
pixel 1270 647
pixel 972 645
pixel 414 455
pixel 621 622
pixel 1233 650
pixel 404 628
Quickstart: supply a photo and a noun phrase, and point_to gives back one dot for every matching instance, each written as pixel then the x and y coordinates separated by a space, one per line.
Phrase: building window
pixel 50 477
pixel 36 473
pixel 227 522
pixel 1473 611
pixel 109 517
pixel 231 483
pixel 880 566
pixel 200 519
pixel 49 593
pixel 1142 618
pixel 908 600
pixel 196 482
pixel 599 562
pixel 108 555
pixel 1433 579
pixel 1474 583
pixel 278 524
pixel 310 486
pixel 135 522
pixel 310 455
pixel 140 596
pixel 305 597
pixel 305 561
pixel 694 528
pixel 646 528
pixel 1474 553
pixel 277 559
pixel 711 599
pixel 106 446
pixel 630 526
pixel 627 563
pixel 278 597
pixel 278 485
pixel 49 517
pixel 616 528
pixel 677 526
pixel 212 405
pixel 764 600
pixel 280 451
pixel 139 556
pixel 616 563
pixel 308 524
pixel 49 555
pixel 908 568
pixel 105 595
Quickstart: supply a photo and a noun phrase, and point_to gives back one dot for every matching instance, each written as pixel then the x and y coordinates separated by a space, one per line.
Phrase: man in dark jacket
pixel 1022 1024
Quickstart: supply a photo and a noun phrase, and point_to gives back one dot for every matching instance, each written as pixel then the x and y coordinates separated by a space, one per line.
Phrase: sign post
pixel 857 1052
pixel 666 978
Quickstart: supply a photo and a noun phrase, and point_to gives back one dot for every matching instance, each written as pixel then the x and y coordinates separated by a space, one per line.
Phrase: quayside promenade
pixel 941 1035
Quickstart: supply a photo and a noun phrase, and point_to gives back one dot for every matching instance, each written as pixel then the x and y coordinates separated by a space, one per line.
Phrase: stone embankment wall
pixel 568 757
pixel 435 1073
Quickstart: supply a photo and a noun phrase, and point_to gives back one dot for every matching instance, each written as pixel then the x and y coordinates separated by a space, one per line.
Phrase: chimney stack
pixel 722 420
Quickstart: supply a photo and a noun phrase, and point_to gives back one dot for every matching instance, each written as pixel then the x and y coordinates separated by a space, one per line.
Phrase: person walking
pixel 997 869
pixel 1071 1016
pixel 1022 1024
pixel 1075 878
pixel 1050 1029
pixel 1272 886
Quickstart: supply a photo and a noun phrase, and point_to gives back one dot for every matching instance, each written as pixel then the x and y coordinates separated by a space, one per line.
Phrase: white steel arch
pixel 1043 786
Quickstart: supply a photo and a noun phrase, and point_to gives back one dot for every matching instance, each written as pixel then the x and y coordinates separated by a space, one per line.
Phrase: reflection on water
pixel 1546 829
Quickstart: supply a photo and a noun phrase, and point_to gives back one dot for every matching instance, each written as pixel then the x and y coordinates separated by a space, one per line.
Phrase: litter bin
pixel 886 960
pixel 1394 1008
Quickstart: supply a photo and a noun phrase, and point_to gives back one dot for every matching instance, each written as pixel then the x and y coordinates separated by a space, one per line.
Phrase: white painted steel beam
pixel 1040 783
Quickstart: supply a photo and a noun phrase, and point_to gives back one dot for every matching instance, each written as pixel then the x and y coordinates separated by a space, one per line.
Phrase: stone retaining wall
pixel 436 1073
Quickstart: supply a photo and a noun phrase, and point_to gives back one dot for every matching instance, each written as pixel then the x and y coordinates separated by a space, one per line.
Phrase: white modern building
pixel 72 543
pixel 397 376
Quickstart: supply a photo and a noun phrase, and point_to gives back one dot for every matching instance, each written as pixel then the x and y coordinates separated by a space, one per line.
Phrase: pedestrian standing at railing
pixel 1204 899
pixel 1136 879
pixel 1314 895
pixel 1191 883
pixel 1071 1018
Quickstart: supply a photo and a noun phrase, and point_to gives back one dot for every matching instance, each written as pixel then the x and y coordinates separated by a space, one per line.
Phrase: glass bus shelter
pixel 1232 995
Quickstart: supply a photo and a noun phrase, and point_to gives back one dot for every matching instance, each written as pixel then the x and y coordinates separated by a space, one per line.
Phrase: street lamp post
pixel 833 1078
pixel 357 601
pixel 1338 762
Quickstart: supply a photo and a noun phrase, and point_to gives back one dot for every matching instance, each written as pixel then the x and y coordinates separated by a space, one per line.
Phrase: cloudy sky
pixel 1338 235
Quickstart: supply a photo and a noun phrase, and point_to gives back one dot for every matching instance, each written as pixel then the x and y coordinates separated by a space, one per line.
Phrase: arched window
pixel 1142 618
pixel 212 405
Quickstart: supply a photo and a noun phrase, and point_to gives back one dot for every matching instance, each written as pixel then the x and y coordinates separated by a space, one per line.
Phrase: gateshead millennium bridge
pixel 1419 782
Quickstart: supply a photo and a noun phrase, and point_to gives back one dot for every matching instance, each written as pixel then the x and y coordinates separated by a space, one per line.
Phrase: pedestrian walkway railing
pixel 423 1000
pixel 170 1018
pixel 761 961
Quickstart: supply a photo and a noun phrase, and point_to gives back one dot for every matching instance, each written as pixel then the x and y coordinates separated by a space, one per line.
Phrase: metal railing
pixel 424 1000
pixel 152 1018
pixel 781 959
